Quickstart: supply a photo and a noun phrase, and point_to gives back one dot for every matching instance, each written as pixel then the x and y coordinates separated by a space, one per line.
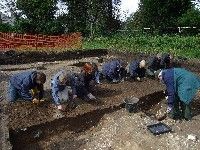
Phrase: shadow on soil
pixel 150 104
pixel 105 92
pixel 32 136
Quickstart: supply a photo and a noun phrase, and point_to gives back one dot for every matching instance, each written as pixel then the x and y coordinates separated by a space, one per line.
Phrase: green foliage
pixel 40 15
pixel 158 14
pixel 92 17
pixel 191 18
pixel 5 27
pixel 182 46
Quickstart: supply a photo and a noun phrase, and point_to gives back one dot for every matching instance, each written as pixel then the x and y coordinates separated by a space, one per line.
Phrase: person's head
pixel 40 78
pixel 159 56
pixel 62 78
pixel 142 64
pixel 88 68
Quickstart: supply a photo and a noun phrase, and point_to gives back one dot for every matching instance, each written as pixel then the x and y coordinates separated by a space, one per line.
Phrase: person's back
pixel 166 61
pixel 26 85
pixel 112 70
pixel 154 63
pixel 137 69
pixel 187 82
pixel 23 79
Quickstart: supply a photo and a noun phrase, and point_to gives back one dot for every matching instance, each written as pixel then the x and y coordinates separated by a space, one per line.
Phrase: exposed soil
pixel 103 124
pixel 13 57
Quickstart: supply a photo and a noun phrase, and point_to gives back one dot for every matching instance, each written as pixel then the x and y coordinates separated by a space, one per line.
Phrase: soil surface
pixel 102 124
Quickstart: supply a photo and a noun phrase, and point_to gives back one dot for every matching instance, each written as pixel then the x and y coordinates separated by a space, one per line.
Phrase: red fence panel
pixel 25 42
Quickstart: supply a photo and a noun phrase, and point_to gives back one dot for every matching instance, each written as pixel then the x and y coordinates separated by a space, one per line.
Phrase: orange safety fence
pixel 13 41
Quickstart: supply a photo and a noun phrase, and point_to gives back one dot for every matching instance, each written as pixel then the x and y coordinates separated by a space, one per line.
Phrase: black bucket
pixel 131 104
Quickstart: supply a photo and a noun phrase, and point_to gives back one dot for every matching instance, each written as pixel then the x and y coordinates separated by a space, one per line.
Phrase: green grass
pixel 187 46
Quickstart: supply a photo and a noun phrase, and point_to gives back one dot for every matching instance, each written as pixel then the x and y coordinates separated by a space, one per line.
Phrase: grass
pixel 186 46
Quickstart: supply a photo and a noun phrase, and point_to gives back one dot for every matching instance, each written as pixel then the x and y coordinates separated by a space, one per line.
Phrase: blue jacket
pixel 24 82
pixel 112 69
pixel 154 63
pixel 75 81
pixel 182 83
pixel 165 62
pixel 57 87
pixel 135 70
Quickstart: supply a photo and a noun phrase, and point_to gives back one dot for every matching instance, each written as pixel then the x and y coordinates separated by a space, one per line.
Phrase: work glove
pixel 169 109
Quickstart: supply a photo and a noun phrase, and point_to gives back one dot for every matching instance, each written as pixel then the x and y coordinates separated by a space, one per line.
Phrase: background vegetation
pixel 99 22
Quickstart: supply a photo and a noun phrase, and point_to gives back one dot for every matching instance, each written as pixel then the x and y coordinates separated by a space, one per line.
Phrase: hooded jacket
pixel 24 82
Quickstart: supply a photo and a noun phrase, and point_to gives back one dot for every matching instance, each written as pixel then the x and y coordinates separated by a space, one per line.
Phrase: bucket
pixel 131 104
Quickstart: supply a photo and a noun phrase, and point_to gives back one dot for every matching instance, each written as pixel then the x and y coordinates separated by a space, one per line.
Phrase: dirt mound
pixel 13 57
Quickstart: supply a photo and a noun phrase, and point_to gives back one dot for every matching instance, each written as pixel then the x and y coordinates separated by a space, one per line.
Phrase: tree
pixel 159 14
pixel 5 27
pixel 191 18
pixel 39 15
pixel 92 17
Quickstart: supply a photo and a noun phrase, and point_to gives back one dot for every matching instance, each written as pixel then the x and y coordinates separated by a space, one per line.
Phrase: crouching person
pixel 114 71
pixel 80 86
pixel 158 62
pixel 60 90
pixel 27 86
pixel 67 87
pixel 90 73
pixel 181 87
pixel 137 69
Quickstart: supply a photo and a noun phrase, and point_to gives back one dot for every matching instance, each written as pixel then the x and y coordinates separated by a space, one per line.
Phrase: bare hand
pixel 35 101
pixel 74 96
pixel 138 78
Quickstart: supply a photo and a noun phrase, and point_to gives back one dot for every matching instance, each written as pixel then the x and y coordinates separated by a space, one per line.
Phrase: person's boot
pixel 187 113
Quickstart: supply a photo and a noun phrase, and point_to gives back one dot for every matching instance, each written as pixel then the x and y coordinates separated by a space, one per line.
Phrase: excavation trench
pixel 30 137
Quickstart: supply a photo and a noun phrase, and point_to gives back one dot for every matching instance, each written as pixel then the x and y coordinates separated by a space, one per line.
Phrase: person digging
pixel 181 88
pixel 66 87
pixel 26 86
pixel 137 70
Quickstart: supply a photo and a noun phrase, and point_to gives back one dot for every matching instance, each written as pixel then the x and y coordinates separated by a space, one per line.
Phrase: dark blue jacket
pixel 135 70
pixel 154 63
pixel 24 82
pixel 75 81
pixel 165 62
pixel 57 87
pixel 169 81
pixel 112 69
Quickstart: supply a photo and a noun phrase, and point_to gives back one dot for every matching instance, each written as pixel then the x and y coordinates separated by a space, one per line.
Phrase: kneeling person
pixel 114 71
pixel 59 89
pixel 137 69
pixel 27 86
